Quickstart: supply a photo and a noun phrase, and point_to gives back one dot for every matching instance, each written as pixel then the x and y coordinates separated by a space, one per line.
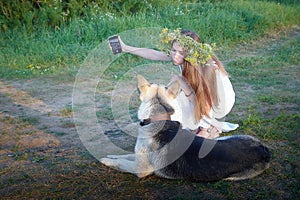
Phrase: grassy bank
pixel 47 50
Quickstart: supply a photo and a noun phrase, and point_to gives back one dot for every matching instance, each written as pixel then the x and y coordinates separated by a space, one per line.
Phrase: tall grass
pixel 54 50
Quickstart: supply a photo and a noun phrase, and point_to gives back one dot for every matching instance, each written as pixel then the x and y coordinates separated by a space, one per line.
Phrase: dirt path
pixel 43 104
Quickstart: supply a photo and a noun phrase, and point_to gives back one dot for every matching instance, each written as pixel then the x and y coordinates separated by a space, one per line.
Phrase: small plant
pixel 68 124
pixel 38 69
pixel 67 110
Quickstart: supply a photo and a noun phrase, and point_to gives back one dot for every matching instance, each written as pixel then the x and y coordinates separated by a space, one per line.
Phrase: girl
pixel 206 93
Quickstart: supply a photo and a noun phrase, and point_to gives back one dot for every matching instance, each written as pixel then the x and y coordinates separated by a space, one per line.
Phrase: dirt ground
pixel 42 156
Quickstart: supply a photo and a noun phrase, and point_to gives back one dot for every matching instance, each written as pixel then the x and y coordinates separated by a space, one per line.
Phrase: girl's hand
pixel 184 84
pixel 123 45
pixel 120 47
pixel 212 63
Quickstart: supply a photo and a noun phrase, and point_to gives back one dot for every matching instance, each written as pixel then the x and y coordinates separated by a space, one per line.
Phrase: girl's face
pixel 177 53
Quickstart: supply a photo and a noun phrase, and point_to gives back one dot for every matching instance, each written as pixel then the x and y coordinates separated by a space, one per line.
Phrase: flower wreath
pixel 195 52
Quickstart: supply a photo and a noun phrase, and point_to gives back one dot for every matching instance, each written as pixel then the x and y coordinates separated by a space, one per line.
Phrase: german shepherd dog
pixel 168 151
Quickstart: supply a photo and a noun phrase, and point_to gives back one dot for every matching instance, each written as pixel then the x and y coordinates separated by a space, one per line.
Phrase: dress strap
pixel 180 69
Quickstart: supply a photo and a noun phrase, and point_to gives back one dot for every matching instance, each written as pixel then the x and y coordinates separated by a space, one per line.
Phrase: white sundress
pixel 184 108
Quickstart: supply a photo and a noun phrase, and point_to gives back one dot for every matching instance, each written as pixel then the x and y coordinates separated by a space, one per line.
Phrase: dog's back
pixel 233 158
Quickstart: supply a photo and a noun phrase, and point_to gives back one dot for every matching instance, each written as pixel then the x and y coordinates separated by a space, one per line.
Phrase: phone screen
pixel 115 44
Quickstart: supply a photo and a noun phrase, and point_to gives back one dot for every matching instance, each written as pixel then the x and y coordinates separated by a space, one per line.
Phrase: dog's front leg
pixel 144 167
pixel 121 164
pixel 134 164
pixel 127 156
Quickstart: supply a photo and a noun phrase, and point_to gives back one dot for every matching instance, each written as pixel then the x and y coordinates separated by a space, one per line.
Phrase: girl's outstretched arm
pixel 147 53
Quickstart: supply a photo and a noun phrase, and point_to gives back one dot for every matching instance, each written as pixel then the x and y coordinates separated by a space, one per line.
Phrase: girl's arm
pixel 150 54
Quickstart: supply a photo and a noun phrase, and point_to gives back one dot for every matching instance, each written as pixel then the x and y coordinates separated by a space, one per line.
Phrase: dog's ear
pixel 173 88
pixel 143 85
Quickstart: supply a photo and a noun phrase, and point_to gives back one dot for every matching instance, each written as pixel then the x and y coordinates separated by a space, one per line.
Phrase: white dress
pixel 184 108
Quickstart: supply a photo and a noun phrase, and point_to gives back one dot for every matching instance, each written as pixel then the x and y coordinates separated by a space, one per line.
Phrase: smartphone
pixel 115 44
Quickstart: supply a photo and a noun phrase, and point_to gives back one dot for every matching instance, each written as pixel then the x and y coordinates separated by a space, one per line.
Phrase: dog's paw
pixel 113 156
pixel 108 162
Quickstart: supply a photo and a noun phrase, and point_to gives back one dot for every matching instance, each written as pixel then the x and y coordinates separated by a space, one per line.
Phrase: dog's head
pixel 156 99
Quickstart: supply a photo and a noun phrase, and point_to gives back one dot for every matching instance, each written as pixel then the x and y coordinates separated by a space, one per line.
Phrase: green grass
pixel 270 78
pixel 60 50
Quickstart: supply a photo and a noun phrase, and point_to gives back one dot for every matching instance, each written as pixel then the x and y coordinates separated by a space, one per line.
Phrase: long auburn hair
pixel 203 81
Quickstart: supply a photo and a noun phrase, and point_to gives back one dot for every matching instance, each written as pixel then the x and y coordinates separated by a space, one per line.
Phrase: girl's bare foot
pixel 210 133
